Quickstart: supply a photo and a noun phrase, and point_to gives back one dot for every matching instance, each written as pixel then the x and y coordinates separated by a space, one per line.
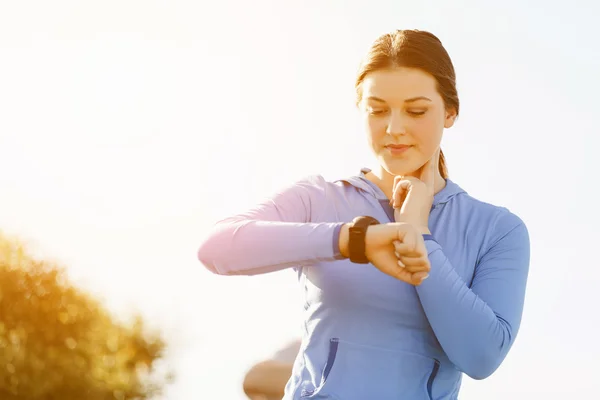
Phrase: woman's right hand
pixel 398 249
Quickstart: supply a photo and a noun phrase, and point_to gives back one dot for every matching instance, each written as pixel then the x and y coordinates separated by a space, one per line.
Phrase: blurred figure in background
pixel 267 379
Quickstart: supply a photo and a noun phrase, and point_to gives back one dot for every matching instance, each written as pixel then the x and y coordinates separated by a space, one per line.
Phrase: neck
pixel 385 181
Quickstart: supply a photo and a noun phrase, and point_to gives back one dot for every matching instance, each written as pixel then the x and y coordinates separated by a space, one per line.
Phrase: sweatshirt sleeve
pixel 276 234
pixel 477 326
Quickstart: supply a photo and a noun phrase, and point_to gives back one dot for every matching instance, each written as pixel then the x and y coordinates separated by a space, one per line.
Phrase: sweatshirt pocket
pixel 360 372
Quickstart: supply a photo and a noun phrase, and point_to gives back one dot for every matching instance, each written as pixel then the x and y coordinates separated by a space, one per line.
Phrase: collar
pixel 361 182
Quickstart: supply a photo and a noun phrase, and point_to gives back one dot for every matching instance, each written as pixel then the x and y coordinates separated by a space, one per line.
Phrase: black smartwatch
pixel 356 238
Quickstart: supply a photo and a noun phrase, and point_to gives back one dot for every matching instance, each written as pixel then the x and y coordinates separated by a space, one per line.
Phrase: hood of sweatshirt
pixel 361 182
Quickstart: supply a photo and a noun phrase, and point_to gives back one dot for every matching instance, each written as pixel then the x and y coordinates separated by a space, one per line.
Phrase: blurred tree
pixel 58 342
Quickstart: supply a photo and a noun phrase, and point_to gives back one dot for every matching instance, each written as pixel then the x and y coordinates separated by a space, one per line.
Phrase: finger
pixel 401 189
pixel 419 277
pixel 419 262
pixel 406 249
pixel 397 179
pixel 388 264
pixel 404 180
pixel 399 262
pixel 413 260
pixel 405 276
pixel 413 264
pixel 414 270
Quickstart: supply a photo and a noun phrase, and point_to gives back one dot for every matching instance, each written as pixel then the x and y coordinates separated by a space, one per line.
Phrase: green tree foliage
pixel 58 342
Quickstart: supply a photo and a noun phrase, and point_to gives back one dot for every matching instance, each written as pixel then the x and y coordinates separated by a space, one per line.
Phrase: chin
pixel 400 167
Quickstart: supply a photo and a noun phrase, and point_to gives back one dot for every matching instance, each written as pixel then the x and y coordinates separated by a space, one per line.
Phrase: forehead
pixel 399 84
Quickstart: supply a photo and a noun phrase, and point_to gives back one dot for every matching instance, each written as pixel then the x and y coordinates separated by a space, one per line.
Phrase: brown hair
pixel 413 49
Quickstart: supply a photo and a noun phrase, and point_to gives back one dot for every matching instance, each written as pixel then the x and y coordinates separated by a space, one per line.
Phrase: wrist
pixel 420 226
pixel 424 230
pixel 343 240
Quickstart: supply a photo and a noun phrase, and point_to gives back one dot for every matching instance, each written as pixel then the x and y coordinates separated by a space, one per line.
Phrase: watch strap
pixel 356 238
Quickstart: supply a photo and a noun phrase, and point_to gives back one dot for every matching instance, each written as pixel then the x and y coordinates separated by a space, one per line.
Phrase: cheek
pixel 429 131
pixel 376 128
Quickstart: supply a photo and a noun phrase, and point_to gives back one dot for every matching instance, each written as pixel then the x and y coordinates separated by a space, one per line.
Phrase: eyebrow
pixel 411 100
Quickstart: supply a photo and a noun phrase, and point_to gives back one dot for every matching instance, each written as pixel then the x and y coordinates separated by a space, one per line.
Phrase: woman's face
pixel 404 116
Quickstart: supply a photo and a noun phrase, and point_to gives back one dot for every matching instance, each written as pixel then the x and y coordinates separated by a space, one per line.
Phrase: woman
pixel 443 294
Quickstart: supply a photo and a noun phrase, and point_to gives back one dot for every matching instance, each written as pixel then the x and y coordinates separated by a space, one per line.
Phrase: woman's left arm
pixel 477 326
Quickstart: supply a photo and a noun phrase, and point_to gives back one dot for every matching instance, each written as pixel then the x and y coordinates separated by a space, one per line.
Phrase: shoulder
pixel 504 218
pixel 496 222
pixel 318 185
pixel 312 192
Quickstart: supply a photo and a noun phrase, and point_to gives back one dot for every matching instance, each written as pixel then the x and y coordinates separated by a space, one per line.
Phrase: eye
pixel 416 113
pixel 376 111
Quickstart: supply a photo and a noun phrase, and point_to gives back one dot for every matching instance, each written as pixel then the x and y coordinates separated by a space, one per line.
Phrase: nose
pixel 396 124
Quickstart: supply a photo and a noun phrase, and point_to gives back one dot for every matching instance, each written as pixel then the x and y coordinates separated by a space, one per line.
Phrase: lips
pixel 397 149
pixel 398 146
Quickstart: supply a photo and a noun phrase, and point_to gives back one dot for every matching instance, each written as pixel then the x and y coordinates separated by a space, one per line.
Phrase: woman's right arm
pixel 276 234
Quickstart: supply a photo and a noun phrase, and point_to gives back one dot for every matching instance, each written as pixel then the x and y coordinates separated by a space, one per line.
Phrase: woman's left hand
pixel 412 197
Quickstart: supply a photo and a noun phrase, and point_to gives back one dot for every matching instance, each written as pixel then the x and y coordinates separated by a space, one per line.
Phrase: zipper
pixel 333 348
pixel 434 371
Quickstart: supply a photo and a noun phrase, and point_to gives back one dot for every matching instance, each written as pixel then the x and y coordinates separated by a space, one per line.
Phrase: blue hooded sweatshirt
pixel 367 335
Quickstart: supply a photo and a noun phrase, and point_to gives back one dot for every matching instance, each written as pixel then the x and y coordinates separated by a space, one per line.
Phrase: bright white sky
pixel 128 127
